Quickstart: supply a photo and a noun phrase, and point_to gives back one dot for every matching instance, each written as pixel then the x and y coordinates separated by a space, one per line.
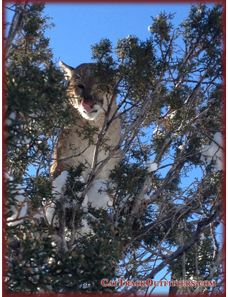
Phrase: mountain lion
pixel 92 106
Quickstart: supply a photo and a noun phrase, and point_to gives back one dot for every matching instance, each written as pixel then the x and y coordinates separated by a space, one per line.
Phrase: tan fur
pixel 82 151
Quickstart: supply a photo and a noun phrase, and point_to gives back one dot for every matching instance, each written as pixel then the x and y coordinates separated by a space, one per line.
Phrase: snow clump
pixel 12 116
pixel 21 204
pixel 59 185
pixel 97 195
pixel 150 29
pixel 151 166
pixel 213 152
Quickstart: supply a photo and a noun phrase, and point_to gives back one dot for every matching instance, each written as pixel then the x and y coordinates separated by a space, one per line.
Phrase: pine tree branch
pixel 172 174
pixel 15 28
pixel 215 268
pixel 62 224
pixel 208 136
pixel 183 248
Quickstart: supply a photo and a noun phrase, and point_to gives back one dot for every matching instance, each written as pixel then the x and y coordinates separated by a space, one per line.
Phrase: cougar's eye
pixel 80 86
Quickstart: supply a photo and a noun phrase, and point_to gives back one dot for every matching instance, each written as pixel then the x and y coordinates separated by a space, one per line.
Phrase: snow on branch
pixel 19 210
pixel 213 152
pixel 151 166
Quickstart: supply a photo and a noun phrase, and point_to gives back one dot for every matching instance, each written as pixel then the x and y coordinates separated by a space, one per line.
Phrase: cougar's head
pixel 82 86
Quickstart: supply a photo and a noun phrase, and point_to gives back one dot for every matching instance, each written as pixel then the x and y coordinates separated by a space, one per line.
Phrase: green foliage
pixel 161 29
pixel 39 267
pixel 200 253
pixel 39 189
pixel 127 177
pixel 35 95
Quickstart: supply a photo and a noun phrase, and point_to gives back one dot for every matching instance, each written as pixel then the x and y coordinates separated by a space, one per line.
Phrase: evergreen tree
pixel 170 105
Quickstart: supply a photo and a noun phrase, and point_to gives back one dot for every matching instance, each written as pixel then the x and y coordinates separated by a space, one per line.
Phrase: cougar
pixel 91 105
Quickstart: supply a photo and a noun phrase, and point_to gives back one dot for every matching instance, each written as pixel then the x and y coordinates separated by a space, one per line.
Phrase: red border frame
pixel 3 125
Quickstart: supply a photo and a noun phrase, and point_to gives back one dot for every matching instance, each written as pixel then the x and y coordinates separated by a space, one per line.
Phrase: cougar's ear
pixel 67 70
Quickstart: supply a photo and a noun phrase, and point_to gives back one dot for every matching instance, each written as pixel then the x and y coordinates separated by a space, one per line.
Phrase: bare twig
pixel 15 28
pixel 183 248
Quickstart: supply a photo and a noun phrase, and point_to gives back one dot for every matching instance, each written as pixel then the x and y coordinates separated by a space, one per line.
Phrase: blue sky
pixel 78 26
